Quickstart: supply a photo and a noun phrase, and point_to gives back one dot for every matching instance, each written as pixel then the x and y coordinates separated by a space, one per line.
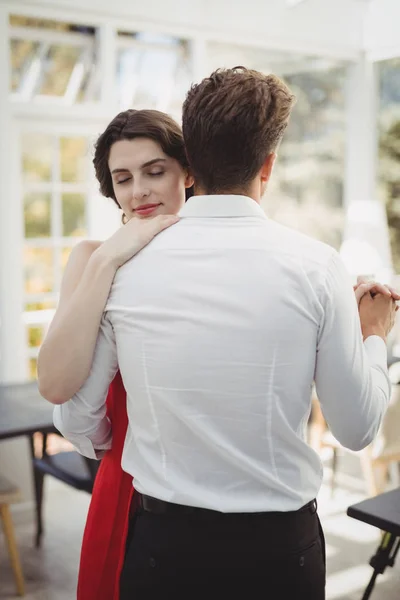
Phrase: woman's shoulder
pixel 83 251
pixel 86 247
pixel 79 258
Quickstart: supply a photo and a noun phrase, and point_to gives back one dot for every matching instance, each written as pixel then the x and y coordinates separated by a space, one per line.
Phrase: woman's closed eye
pixel 123 180
pixel 156 173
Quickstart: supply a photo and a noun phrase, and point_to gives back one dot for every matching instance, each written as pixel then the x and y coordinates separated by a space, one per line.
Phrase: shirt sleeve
pixel 351 376
pixel 83 419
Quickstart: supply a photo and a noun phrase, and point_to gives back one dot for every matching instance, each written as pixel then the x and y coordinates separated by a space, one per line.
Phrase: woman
pixel 140 162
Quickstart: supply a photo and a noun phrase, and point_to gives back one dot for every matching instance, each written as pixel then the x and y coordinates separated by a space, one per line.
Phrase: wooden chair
pixel 375 460
pixel 9 494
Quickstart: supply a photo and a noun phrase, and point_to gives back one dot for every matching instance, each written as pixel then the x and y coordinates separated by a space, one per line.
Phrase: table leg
pixel 384 557
pixel 38 480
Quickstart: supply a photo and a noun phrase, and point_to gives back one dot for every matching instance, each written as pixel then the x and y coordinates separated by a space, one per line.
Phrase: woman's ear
pixel 189 180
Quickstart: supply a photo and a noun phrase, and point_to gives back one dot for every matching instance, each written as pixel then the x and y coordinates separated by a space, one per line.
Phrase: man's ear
pixel 266 169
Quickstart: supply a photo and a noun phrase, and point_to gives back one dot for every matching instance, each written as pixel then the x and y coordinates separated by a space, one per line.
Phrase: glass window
pixel 153 71
pixel 43 305
pixel 57 69
pixel 74 215
pixel 33 368
pixel 53 59
pixel 37 157
pixel 306 190
pixel 37 214
pixel 55 170
pixel 39 272
pixel 35 335
pixel 55 194
pixel 73 157
pixel 22 53
pixel 64 257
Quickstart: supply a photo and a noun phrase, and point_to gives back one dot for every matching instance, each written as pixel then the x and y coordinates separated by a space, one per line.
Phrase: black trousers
pixel 211 555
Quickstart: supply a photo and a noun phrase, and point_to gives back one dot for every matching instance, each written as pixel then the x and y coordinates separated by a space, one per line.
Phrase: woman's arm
pixel 66 354
pixel 67 351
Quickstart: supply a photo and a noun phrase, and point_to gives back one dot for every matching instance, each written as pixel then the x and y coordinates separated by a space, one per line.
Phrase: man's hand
pixel 377 314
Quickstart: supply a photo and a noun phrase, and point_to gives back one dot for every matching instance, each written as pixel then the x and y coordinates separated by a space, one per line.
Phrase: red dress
pixel 103 545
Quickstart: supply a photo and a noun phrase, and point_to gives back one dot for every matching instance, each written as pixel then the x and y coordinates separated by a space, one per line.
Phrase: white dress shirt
pixel 219 327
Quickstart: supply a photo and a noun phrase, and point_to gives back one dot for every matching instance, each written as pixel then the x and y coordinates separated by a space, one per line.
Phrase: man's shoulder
pixel 298 244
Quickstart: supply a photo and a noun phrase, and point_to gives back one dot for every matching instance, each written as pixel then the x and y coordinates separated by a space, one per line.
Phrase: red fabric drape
pixel 103 545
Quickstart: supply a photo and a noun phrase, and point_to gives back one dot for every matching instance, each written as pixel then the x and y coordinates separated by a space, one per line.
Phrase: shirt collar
pixel 222 205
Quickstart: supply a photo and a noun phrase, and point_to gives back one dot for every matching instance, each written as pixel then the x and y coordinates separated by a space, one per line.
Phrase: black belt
pixel 161 507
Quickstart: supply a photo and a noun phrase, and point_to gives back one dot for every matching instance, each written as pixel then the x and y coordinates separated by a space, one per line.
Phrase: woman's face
pixel 146 181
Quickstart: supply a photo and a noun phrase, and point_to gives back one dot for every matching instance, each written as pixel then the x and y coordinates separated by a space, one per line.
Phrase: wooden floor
pixel 51 572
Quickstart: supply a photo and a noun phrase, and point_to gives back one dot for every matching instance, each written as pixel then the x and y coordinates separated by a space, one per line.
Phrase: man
pixel 219 327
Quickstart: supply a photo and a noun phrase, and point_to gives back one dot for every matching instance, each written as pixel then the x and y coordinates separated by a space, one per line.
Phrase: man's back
pixel 217 325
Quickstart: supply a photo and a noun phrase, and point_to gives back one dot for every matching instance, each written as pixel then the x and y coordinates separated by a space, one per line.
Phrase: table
pixel 382 511
pixel 23 411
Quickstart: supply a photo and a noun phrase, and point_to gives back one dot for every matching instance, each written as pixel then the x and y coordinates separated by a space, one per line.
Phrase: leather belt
pixel 161 507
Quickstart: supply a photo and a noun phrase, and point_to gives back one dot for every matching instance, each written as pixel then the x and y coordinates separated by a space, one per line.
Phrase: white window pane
pixel 42 305
pixel 74 215
pixel 56 60
pixel 65 253
pixel 152 71
pixel 39 272
pixel 35 336
pixel 37 215
pixel 58 67
pixel 37 157
pixel 22 54
pixel 73 157
pixel 32 370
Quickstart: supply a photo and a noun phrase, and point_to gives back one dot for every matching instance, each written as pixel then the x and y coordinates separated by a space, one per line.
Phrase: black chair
pixel 70 467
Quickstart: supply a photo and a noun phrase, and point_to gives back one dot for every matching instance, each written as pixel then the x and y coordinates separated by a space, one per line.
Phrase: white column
pixel 14 454
pixel 13 357
pixel 104 218
pixel 107 49
pixel 198 53
pixel 366 247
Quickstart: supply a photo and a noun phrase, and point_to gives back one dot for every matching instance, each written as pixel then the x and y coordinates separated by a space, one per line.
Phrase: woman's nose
pixel 140 192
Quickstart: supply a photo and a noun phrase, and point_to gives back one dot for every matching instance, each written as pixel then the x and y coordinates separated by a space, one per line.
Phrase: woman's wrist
pixel 104 259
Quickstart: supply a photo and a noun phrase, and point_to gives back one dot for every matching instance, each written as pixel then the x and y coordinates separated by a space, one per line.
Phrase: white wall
pixel 323 27
pixel 382 24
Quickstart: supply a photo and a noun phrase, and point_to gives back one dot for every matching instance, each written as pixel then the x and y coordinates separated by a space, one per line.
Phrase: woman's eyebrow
pixel 119 171
pixel 143 166
pixel 151 162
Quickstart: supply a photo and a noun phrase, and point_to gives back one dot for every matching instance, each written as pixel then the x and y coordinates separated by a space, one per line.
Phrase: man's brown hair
pixel 232 120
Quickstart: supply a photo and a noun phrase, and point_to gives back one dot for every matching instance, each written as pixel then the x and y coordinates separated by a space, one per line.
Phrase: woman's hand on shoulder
pixel 132 237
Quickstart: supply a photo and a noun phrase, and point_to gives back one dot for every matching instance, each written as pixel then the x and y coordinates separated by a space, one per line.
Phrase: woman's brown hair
pixel 130 124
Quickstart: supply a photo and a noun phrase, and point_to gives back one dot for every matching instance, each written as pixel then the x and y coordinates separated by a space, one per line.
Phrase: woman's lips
pixel 146 209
